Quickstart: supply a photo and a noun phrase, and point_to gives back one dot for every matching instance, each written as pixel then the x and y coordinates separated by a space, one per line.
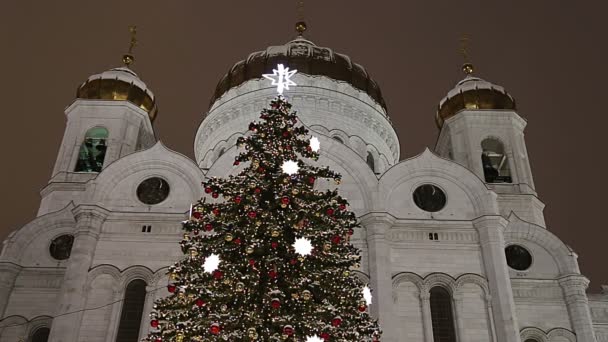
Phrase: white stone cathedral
pixel 454 243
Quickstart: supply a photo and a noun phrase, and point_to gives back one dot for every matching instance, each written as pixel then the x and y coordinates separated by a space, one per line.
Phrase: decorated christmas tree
pixel 267 256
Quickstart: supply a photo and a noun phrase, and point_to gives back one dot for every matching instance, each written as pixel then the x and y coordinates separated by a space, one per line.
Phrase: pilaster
pixel 574 287
pixel 427 319
pixel 491 238
pixel 72 296
pixel 376 225
pixel 8 275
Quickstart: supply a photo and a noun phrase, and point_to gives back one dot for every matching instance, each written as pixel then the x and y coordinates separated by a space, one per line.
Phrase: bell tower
pixel 481 129
pixel 111 117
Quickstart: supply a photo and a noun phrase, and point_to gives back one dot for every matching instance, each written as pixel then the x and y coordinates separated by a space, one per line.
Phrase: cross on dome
pixel 281 77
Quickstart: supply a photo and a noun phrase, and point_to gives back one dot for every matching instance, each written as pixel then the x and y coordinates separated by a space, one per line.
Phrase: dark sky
pixel 550 55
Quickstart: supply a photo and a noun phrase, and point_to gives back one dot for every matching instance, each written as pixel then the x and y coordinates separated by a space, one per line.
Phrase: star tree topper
pixel 283 78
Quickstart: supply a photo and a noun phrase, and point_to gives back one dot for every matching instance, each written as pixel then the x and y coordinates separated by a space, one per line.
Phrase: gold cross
pixel 128 58
pixel 467 67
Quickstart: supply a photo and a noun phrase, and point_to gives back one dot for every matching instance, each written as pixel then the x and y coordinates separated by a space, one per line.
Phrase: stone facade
pixel 406 250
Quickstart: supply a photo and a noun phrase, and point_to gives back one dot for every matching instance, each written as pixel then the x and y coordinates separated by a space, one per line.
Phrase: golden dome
pixel 473 93
pixel 119 84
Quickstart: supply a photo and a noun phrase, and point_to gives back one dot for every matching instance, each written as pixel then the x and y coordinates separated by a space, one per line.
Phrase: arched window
pixel 370 161
pixel 41 335
pixel 92 151
pixel 441 315
pixel 338 139
pixel 494 162
pixel 132 310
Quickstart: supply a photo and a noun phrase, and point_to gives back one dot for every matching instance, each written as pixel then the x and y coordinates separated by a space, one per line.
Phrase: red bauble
pixel 236 162
pixel 329 211
pixel 336 239
pixel 285 200
pixel 286 134
pixel 275 303
pixel 208 190
pixel 252 127
pixel 171 288
pixel 214 329
pixel 336 321
pixel 257 190
pixel 200 302
pixel 216 211
pixel 237 241
pixel 154 323
pixel 311 180
pixel 343 206
pixel 293 261
pixel 158 339
pixel 251 262
pixel 325 336
pixel 308 148
pixel 288 147
pixel 215 195
pixel 218 274
pixel 237 199
pixel 288 330
pixel 261 169
pixel 252 214
pixel 350 231
pixel 208 227
pixel 272 274
pixel 362 307
pixel 196 215
pixel 274 244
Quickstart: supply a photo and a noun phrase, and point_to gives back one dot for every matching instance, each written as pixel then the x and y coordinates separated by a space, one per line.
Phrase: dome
pixel 473 93
pixel 307 58
pixel 119 84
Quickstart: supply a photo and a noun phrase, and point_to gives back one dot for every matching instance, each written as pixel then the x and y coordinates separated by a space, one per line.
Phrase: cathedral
pixel 454 243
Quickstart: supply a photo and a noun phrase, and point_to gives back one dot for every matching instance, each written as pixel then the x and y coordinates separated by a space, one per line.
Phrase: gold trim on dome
pixel 474 99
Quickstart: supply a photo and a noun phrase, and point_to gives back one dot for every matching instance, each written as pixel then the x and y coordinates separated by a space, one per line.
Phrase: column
pixel 490 317
pixel 574 287
pixel 491 239
pixel 8 275
pixel 458 312
pixel 376 225
pixel 427 319
pixel 72 296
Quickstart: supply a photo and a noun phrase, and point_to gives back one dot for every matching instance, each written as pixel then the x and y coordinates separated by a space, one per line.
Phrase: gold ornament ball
pixel 338 181
pixel 186 237
pixel 295 295
pixel 283 205
pixel 179 337
pixel 252 333
pixel 295 191
pixel 346 273
pixel 240 287
pixel 193 252
pixel 275 233
pixel 327 247
pixel 249 250
pixel 227 281
pixel 173 276
pixel 306 295
pixel 258 223
pixel 224 308
pixel 286 180
pixel 228 237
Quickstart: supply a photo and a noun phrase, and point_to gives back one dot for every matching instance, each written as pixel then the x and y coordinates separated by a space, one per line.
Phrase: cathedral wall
pixel 598 305
pixel 422 259
pixel 540 304
pixel 95 323
pixel 527 207
pixel 543 264
pixel 473 313
pixel 35 293
pixel 408 312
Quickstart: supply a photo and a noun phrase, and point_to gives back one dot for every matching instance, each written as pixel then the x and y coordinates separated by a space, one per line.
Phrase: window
pixel 153 190
pixel 429 197
pixel 41 335
pixel 61 247
pixel 434 236
pixel 132 310
pixel 370 161
pixel 92 151
pixel 494 162
pixel 518 258
pixel 146 229
pixel 441 315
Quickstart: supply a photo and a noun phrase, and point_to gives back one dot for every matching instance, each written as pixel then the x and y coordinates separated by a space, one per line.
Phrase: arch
pixel 338 139
pixel 135 272
pixel 132 311
pixel 370 161
pixel 40 335
pixel 520 230
pixel 494 161
pixel 92 152
pixel 442 314
pixel 562 332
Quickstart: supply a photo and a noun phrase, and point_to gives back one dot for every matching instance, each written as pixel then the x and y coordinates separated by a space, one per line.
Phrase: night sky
pixel 550 55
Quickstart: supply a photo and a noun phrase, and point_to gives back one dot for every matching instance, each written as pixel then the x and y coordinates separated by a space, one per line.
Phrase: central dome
pixel 307 58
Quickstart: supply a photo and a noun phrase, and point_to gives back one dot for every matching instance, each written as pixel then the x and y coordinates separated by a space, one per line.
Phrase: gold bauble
pixel 228 237
pixel 252 333
pixel 186 237
pixel 227 281
pixel 240 287
pixel 258 223
pixel 173 276
pixel 275 233
pixel 327 247
pixel 224 308
pixel 285 180
pixel 181 295
pixel 193 252
pixel 295 191
pixel 179 337
pixel 306 295
pixel 295 295
pixel 346 273
pixel 283 205
pixel 338 181
pixel 249 250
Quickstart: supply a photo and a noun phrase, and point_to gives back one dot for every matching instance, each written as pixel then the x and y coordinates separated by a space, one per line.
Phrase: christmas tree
pixel 268 257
